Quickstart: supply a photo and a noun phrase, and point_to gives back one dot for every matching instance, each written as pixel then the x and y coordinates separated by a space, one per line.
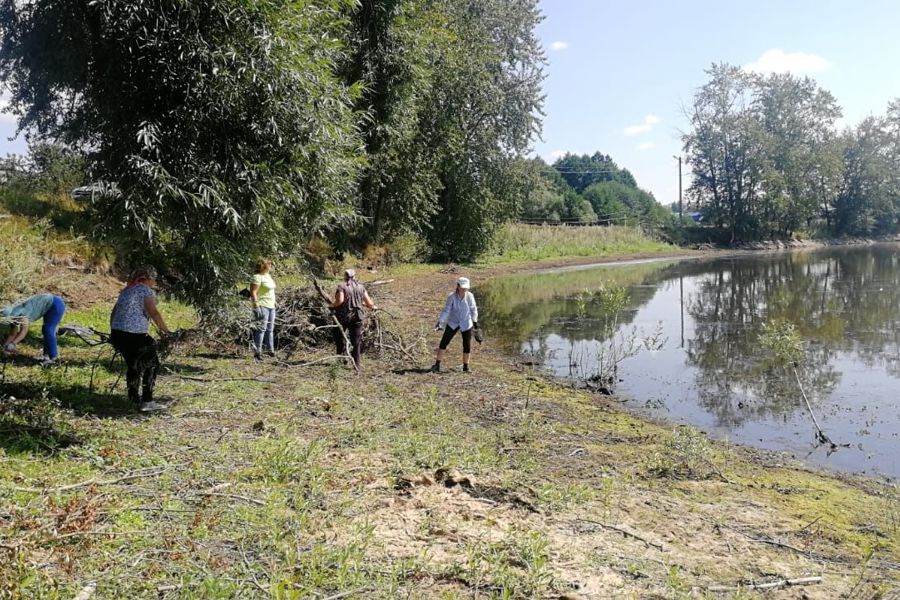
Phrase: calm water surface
pixel 711 371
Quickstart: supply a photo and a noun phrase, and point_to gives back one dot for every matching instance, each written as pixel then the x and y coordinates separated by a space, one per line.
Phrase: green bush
pixel 687 454
pixel 406 248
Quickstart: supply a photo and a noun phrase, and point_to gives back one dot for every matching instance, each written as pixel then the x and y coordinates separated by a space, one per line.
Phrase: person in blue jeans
pixel 262 295
pixel 48 307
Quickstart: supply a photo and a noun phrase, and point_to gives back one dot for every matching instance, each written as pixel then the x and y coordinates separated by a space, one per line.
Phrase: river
pixel 706 366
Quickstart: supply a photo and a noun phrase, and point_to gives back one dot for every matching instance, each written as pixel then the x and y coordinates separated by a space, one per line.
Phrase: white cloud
pixel 557 46
pixel 777 60
pixel 645 127
pixel 646 145
pixel 557 154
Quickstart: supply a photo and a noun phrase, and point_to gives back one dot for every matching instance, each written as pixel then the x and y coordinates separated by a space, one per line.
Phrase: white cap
pixel 349 273
pixel 463 282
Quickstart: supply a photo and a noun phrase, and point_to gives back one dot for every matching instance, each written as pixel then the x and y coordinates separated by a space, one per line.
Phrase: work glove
pixel 258 314
pixel 479 336
pixel 437 326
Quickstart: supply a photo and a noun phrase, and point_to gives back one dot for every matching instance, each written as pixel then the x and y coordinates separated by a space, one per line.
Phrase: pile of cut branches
pixel 303 323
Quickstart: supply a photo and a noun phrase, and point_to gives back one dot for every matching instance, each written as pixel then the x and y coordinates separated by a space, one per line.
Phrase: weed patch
pixel 34 425
pixel 686 454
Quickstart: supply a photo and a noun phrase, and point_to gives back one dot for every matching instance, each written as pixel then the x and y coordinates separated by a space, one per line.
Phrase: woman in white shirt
pixel 460 314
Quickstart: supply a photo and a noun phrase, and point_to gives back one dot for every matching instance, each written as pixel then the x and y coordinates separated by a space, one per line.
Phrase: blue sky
pixel 620 72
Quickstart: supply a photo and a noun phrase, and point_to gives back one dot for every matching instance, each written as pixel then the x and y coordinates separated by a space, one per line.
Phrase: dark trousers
pixel 448 335
pixel 139 352
pixel 354 331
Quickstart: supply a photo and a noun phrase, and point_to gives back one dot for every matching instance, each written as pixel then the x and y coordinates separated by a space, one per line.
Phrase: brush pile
pixel 303 323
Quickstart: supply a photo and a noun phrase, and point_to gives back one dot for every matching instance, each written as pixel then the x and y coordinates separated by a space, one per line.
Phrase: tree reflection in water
pixel 843 302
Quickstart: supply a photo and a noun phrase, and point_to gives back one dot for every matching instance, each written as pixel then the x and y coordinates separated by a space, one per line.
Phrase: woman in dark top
pixel 349 300
pixel 129 322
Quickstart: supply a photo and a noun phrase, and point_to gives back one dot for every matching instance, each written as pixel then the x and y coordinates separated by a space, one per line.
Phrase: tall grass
pixel 20 261
pixel 517 242
pixel 37 229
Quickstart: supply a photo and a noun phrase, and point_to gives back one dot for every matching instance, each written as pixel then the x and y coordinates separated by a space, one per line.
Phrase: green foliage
pixel 395 46
pixel 325 567
pixel 251 128
pixel 686 454
pixel 534 242
pixel 483 113
pixel 618 345
pixel 51 169
pixel 42 188
pixel 21 579
pixel 450 102
pixel 780 338
pixel 518 567
pixel 768 162
pixel 282 461
pixel 558 497
pixel 550 199
pixel 619 203
pixel 238 139
pixel 587 189
pixel 406 248
pixel 33 425
pixel 20 260
pixel 678 586
pixel 580 172
pixel 868 201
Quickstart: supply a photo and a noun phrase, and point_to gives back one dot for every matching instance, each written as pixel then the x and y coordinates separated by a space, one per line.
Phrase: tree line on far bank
pixel 769 162
pixel 589 189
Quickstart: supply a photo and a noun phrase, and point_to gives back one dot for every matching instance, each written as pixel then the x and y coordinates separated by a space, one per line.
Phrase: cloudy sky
pixel 621 71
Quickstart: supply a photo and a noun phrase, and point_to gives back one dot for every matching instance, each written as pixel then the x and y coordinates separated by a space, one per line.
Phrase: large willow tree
pixel 223 122
pixel 235 128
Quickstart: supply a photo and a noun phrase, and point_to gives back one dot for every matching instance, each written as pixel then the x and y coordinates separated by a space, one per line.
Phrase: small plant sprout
pixel 786 348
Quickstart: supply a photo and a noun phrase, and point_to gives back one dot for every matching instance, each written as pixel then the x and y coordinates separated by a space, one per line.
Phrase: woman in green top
pixel 262 294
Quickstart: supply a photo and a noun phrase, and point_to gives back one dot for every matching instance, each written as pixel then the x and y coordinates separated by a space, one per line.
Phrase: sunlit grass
pixel 516 242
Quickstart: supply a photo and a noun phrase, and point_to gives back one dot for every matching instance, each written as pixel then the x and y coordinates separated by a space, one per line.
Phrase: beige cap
pixel 463 282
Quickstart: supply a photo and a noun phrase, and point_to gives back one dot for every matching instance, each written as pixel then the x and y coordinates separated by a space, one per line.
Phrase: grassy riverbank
pixel 528 243
pixel 296 479
pixel 300 480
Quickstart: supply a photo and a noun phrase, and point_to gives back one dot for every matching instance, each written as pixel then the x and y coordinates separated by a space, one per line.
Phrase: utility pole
pixel 680 206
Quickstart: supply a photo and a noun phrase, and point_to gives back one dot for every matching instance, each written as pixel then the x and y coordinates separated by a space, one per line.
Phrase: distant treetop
pixel 581 172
